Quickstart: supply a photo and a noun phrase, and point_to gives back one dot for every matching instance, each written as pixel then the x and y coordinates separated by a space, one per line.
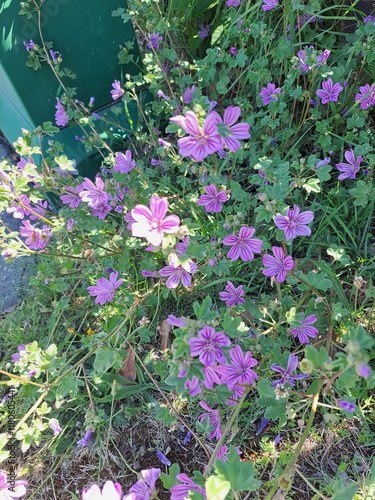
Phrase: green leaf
pixel 170 479
pixel 65 164
pixel 237 193
pixel 49 129
pixel 338 311
pixel 234 327
pixel 312 186
pixel 217 488
pixel 104 359
pixel 239 474
pixel 361 193
pixel 346 493
pixel 202 311
pixel 318 358
pixel 338 253
pixel 264 388
pixel 217 34
pixel 319 281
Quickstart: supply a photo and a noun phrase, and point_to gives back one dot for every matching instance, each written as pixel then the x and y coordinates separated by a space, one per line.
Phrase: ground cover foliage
pixel 203 310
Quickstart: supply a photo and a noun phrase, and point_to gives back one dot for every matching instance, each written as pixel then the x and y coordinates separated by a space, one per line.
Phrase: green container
pixel 88 38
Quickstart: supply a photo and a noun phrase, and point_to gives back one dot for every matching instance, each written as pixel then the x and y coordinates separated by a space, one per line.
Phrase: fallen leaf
pixel 128 370
pixel 165 328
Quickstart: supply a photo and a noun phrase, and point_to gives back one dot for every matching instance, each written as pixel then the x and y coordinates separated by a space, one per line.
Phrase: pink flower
pixel 181 491
pixel 150 223
pixel 61 118
pixel 330 91
pixel 233 3
pixel 36 239
pixel 230 133
pixel 243 245
pixel 104 290
pixel 214 418
pixel 144 488
pixel 349 170
pixel 269 4
pixel 124 162
pixel 187 96
pixel 10 490
pixel 117 91
pixel 213 374
pixel 277 265
pixel 239 372
pixel 269 93
pixel 111 491
pixel 232 296
pixel 201 141
pixel 366 96
pixel 212 200
pixel 72 197
pixel 101 210
pixel 94 194
pixel 208 346
pixel 305 330
pixel 15 208
pixel 294 223
pixel 178 273
pixel 193 385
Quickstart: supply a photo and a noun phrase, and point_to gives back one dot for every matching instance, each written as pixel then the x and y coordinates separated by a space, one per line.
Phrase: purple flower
pixel 294 223
pixel 212 200
pixel 287 377
pixel 36 239
pixel 363 370
pixel 150 222
pixel 16 208
pixel 178 273
pixel 322 59
pixel 214 418
pixel 269 4
pixel 213 374
pixel 346 405
pixel 104 290
pixel 17 356
pixel 181 491
pixel 223 452
pixel 201 141
pixel 154 41
pixel 161 95
pixel 29 45
pixel 70 225
pixel 72 197
pixel 232 296
pixel 239 372
pixel 204 31
pixel 269 93
pixel 55 56
pixel 305 330
pixel 124 162
pixel 101 210
pixel 366 96
pixel 173 321
pixel 263 424
pixel 163 459
pixel 208 346
pixel 330 91
pixel 193 386
pixel 233 51
pixel 11 489
pixel 55 426
pixel 182 246
pixel 40 208
pixel 94 194
pixel 111 491
pixel 229 132
pixel 144 488
pixel 149 274
pixel 187 438
pixel 320 163
pixel 277 265
pixel 243 245
pixel 187 96
pixel 367 19
pixel 61 118
pixel 349 170
pixel 82 443
pixel 117 91
pixel 233 3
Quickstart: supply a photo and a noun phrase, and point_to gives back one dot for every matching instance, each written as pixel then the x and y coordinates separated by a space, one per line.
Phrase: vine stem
pixel 284 480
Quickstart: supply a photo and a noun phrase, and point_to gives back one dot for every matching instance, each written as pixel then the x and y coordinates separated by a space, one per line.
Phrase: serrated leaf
pixel 65 164
pixel 203 311
pixel 239 474
pixel 347 493
pixel 234 327
pixel 49 129
pixel 361 193
pixel 170 480
pixel 217 488
pixel 319 281
pixel 338 311
pixel 312 186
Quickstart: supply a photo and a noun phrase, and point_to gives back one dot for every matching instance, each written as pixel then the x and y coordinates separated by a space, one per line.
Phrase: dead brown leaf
pixel 165 328
pixel 128 370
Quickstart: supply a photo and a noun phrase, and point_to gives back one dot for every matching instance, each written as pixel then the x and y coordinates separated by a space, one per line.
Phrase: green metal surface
pixel 88 39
